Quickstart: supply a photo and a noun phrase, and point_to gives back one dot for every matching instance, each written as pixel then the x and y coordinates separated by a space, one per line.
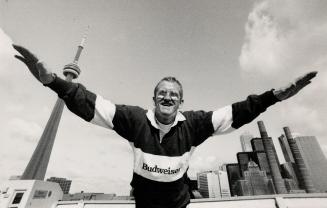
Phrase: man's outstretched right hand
pixel 36 67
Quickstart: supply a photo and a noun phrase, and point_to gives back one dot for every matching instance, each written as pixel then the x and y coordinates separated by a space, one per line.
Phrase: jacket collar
pixel 151 116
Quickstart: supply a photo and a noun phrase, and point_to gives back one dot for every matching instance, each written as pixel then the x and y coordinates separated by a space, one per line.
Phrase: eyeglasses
pixel 171 95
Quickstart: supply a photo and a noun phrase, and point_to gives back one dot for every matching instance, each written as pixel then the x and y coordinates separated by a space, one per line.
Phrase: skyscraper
pixel 286 149
pixel 255 182
pixel 234 174
pixel 208 184
pixel 245 139
pixel 63 183
pixel 272 159
pixel 315 161
pixel 288 171
pixel 257 144
pixel 303 174
pixel 259 157
pixel 257 178
pixel 213 184
pixel 224 184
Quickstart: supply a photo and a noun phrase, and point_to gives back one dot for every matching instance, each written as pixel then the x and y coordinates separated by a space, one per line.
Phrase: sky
pixel 222 51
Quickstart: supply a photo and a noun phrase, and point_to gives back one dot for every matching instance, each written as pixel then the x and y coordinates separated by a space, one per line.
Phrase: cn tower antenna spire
pixel 39 161
pixel 81 45
pixel 71 70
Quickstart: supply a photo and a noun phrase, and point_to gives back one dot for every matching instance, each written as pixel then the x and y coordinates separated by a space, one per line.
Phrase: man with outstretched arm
pixel 164 138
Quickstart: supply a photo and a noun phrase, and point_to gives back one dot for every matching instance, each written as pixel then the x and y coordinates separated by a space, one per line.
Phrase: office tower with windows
pixel 272 159
pixel 63 183
pixel 208 184
pixel 315 161
pixel 224 184
pixel 303 175
pixel 286 149
pixel 245 139
pixel 234 174
pixel 255 182
pixel 259 157
pixel 257 144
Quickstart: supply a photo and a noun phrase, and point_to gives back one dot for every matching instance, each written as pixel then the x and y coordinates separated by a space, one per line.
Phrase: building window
pixel 18 197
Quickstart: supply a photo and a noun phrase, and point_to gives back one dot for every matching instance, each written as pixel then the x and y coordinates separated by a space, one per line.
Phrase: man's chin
pixel 167 110
pixel 166 113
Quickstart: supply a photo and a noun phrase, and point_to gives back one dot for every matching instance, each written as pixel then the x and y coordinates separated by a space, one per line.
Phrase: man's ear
pixel 154 101
pixel 181 104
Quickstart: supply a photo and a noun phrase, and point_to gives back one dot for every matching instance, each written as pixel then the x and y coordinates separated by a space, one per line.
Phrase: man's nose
pixel 167 96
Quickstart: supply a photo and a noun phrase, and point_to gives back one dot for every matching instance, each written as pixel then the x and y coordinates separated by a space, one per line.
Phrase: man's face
pixel 167 101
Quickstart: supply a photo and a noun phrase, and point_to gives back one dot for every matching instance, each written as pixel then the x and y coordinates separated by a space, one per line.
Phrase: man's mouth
pixel 167 104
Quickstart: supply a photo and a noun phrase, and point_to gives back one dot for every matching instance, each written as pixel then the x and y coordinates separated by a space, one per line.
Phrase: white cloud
pixel 264 47
pixel 22 129
pixel 306 117
pixel 200 163
pixel 14 108
pixel 284 36
pixel 6 53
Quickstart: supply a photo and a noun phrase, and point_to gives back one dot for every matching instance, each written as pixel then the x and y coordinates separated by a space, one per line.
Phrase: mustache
pixel 167 102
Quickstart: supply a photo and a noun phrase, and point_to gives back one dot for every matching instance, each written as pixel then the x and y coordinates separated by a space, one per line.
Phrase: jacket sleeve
pixel 84 103
pixel 246 111
pixel 232 117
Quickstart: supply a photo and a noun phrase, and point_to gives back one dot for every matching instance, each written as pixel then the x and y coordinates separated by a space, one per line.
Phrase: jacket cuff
pixel 60 86
pixel 268 98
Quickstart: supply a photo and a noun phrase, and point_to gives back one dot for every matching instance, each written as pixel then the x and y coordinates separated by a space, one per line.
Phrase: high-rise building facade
pixel 257 144
pixel 315 161
pixel 259 157
pixel 63 183
pixel 272 159
pixel 242 188
pixel 303 174
pixel 286 149
pixel 258 180
pixel 208 184
pixel 213 184
pixel 224 184
pixel 234 174
pixel 245 139
pixel 288 171
pixel 255 182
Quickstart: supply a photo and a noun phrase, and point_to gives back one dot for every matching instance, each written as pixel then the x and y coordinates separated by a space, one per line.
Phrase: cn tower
pixel 38 164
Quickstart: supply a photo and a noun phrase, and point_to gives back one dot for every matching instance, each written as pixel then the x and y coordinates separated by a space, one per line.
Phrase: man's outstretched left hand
pixel 293 88
pixel 36 67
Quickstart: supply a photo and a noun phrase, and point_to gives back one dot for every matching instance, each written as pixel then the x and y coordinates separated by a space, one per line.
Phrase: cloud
pixel 6 53
pixel 309 116
pixel 263 45
pixel 199 164
pixel 284 36
pixel 22 129
pixel 14 108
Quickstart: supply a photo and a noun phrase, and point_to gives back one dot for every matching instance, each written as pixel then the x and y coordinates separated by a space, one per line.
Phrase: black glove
pixel 36 67
pixel 293 88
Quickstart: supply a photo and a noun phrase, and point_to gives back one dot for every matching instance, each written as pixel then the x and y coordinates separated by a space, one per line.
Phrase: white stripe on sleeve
pixel 222 120
pixel 104 112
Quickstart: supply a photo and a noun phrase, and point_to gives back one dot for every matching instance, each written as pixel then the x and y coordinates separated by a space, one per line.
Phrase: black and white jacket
pixel 160 164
